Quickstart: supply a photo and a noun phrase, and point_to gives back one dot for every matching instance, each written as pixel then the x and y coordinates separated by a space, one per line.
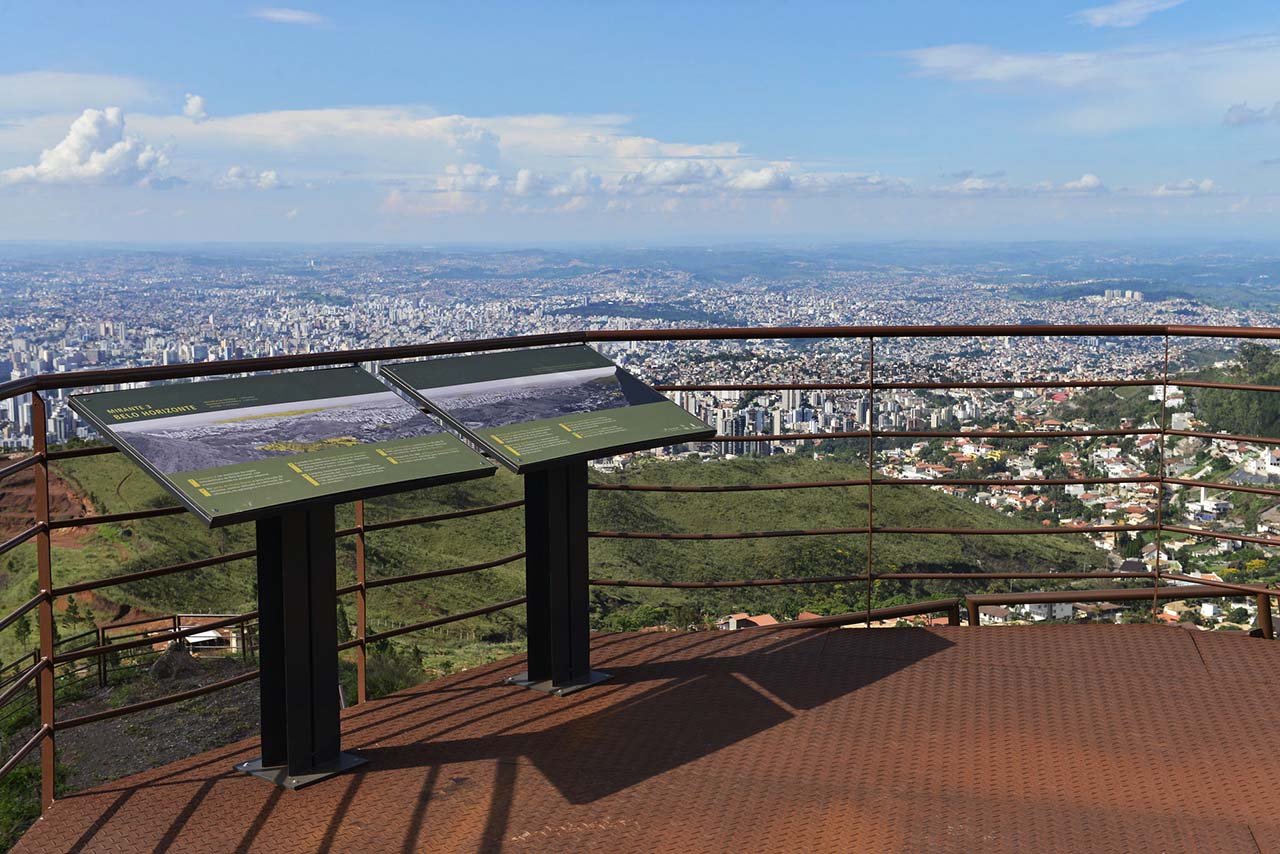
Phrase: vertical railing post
pixel 44 571
pixel 102 660
pixel 1164 431
pixel 1264 616
pixel 871 465
pixel 361 694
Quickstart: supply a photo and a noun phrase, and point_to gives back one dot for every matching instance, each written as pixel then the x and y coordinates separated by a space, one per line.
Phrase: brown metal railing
pixel 41 670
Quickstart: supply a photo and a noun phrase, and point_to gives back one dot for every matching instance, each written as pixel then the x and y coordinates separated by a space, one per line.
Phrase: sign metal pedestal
pixel 556 581
pixel 298 651
pixel 544 413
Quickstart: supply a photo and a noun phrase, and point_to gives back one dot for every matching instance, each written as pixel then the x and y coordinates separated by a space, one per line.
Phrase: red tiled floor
pixel 1088 738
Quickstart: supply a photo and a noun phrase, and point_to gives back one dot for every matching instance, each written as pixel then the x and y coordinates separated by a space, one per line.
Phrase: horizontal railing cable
pixel 735 487
pixel 435 573
pixel 22 464
pixel 1047 530
pixel 160 637
pixel 13 615
pixel 22 680
pixel 18 539
pixel 113 518
pixel 878 529
pixel 433 517
pixel 711 585
pixel 841 579
pixel 1225 437
pixel 25 749
pixel 879 481
pixel 1226 487
pixel 439 621
pixel 908 384
pixel 166 700
pixel 1008 576
pixel 1223 535
pixel 727 535
pixel 141 575
pixel 75 453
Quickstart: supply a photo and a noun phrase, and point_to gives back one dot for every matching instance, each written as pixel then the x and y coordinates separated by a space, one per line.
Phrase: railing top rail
pixel 111 376
pixel 1183 591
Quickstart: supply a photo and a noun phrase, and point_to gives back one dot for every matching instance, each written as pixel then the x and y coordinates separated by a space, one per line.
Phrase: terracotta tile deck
pixel 1097 738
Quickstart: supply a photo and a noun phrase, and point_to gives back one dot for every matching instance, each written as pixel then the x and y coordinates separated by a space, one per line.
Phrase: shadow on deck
pixel 1094 738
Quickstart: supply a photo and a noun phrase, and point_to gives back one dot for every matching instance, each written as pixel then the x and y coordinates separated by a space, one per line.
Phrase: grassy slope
pixel 896 506
pixel 115 485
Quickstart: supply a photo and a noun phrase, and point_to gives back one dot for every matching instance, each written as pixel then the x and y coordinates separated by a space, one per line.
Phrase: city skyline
pixel 1142 119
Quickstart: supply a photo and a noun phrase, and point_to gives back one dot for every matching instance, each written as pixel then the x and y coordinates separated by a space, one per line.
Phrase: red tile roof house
pixel 743 620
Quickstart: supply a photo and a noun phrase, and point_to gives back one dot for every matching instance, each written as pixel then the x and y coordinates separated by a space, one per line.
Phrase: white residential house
pixel 1047 610
pixel 993 615
pixel 1150 552
pixel 1101 612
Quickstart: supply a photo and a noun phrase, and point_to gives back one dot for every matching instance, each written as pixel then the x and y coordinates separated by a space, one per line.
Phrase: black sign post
pixel 555 514
pixel 298 656
pixel 282 451
pixel 544 414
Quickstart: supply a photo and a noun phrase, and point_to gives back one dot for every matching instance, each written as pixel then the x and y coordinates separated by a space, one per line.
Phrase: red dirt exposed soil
pixel 18 507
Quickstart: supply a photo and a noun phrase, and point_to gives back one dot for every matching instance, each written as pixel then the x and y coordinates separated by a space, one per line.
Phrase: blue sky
pixel 546 122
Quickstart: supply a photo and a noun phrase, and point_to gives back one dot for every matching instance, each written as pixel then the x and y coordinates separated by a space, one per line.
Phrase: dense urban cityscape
pixel 67 313
pixel 126 309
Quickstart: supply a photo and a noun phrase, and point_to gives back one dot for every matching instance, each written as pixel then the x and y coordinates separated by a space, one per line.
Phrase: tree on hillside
pixel 1244 412
pixel 344 625
pixel 22 630
pixel 72 615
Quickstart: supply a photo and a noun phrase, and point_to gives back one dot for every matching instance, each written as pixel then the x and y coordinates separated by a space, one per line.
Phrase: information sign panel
pixel 246 448
pixel 534 409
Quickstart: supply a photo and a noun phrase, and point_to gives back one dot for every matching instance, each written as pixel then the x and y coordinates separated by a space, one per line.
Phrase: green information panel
pixel 539 408
pixel 238 449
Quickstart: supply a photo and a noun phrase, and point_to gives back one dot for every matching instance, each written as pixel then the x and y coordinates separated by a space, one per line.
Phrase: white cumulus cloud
pixel 1124 13
pixel 469 178
pixel 1086 183
pixel 673 175
pixel 856 182
pixel 94 151
pixel 757 180
pixel 240 178
pixel 193 108
pixel 531 183
pixel 1186 187
pixel 974 185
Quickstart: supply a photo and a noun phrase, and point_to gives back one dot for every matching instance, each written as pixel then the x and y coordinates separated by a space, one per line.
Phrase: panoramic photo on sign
pixel 533 408
pixel 243 448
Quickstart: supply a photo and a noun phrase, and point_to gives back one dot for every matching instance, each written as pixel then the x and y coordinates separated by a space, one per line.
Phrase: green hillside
pixel 113 485
pixel 896 506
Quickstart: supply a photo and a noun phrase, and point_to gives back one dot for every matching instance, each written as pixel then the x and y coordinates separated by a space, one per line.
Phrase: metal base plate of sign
pixel 546 686
pixel 280 776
